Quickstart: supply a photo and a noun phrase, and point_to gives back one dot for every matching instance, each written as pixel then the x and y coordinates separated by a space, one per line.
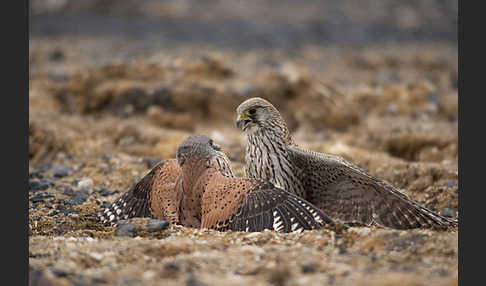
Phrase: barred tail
pixel 127 206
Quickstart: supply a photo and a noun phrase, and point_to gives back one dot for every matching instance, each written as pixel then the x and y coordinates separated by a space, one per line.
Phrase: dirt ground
pixel 101 113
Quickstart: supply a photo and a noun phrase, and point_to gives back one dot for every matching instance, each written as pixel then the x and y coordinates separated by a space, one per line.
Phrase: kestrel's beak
pixel 242 121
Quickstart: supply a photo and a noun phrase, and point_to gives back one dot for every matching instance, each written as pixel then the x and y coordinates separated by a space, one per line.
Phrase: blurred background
pixel 171 62
pixel 115 86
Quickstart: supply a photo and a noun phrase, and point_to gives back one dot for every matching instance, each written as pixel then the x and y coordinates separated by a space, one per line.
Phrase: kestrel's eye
pixel 251 111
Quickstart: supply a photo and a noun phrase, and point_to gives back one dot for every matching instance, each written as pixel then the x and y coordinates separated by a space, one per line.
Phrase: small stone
pixel 59 272
pixel 60 207
pixel 85 183
pixel 104 192
pixel 342 250
pixel 40 197
pixel 36 185
pixel 61 171
pixel 127 141
pixel 447 212
pixel 53 213
pixel 49 181
pixel 80 197
pixel 35 174
pixel 59 76
pixel 172 267
pixel 67 190
pixel 69 211
pixel 39 171
pixel 157 225
pixel 105 205
pixel 192 281
pixel 308 268
pixel 128 229
pixel 449 185
pixel 56 55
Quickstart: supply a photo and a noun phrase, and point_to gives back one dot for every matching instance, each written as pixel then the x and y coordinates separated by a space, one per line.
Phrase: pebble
pixel 61 171
pixel 59 76
pixel 308 268
pixel 67 190
pixel 50 181
pixel 104 192
pixel 36 185
pixel 128 229
pixel 105 205
pixel 447 212
pixel 192 281
pixel 449 185
pixel 53 213
pixel 56 55
pixel 85 183
pixel 40 197
pixel 80 197
pixel 60 207
pixel 59 272
pixel 157 225
pixel 127 141
pixel 70 211
pixel 171 266
pixel 35 174
pixel 38 172
pixel 342 250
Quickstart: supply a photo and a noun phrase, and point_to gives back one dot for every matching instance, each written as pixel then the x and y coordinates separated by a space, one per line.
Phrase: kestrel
pixel 155 194
pixel 343 191
pixel 215 201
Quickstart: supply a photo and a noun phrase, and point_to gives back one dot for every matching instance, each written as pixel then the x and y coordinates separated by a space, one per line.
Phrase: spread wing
pixel 254 205
pixel 350 195
pixel 153 196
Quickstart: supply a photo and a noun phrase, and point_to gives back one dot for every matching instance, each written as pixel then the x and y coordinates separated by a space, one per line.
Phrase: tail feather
pixel 125 207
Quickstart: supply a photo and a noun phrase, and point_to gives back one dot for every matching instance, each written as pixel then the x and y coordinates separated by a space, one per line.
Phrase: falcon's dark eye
pixel 251 111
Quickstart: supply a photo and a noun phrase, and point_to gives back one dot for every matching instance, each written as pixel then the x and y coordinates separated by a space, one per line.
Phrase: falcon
pixel 155 195
pixel 342 190
pixel 212 200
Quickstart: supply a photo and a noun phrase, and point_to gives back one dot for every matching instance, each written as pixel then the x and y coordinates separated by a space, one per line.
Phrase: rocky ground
pixel 102 112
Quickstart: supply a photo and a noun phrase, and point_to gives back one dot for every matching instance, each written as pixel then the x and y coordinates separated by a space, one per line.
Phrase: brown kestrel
pixel 343 191
pixel 155 194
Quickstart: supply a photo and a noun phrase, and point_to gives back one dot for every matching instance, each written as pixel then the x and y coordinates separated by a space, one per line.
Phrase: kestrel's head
pixel 256 113
pixel 196 146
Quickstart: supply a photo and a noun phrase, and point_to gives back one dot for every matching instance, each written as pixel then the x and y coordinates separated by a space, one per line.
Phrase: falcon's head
pixel 197 149
pixel 256 113
pixel 197 146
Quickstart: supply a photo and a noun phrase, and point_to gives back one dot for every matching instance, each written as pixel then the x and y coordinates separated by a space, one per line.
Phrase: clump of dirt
pixel 421 147
pixel 43 143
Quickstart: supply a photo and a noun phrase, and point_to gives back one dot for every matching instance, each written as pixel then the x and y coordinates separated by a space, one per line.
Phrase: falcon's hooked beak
pixel 242 121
